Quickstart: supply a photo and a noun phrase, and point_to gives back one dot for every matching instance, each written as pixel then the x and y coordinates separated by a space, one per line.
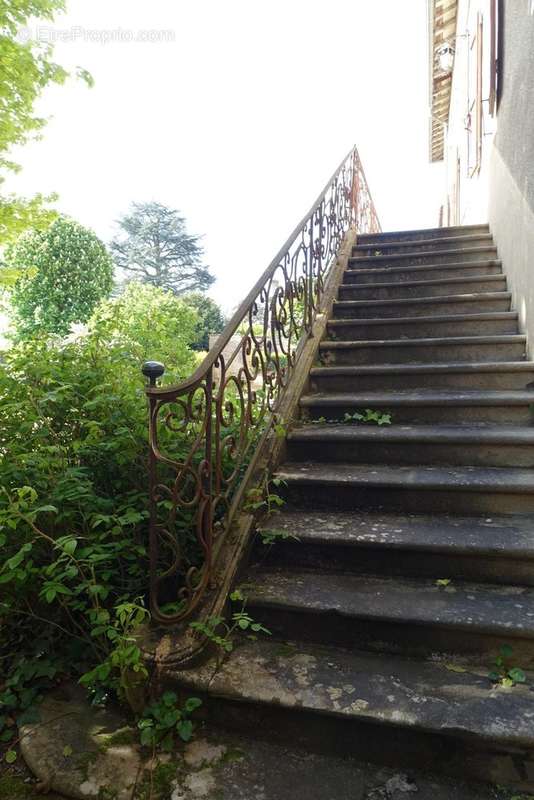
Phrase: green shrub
pixel 73 492
pixel 65 270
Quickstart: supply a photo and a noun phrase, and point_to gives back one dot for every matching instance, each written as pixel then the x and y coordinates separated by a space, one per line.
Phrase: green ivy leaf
pixel 169 699
pixel 517 675
pixel 185 730
pixel 192 703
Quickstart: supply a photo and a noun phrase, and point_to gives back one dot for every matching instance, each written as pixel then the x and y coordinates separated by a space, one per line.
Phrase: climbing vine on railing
pixel 204 431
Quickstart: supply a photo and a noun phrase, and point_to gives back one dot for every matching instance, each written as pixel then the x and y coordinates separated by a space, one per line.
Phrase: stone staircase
pixel 369 655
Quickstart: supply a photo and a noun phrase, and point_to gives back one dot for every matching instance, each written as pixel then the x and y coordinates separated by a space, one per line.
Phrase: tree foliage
pixel 17 215
pixel 210 319
pixel 151 323
pixel 26 68
pixel 63 273
pixel 154 247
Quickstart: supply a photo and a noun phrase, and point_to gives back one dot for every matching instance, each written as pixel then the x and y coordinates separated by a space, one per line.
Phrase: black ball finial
pixel 153 370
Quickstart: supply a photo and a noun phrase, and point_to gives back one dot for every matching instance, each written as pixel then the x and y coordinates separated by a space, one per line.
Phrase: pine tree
pixel 154 247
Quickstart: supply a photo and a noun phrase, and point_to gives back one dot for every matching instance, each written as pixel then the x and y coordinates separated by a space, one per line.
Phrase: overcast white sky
pixel 237 117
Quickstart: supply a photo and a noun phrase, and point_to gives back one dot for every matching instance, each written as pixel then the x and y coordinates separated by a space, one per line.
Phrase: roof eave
pixel 442 20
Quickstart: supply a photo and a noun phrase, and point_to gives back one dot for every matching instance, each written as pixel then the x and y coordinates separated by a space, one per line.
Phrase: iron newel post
pixel 152 370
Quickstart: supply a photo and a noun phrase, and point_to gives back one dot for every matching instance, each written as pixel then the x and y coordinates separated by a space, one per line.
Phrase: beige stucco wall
pixel 511 190
pixel 512 223
pixel 473 185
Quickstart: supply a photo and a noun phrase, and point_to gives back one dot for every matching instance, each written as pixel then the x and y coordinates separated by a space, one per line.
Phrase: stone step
pixel 422 288
pixel 444 243
pixel 381 707
pixel 423 306
pixel 421 489
pixel 496 322
pixel 217 764
pixel 456 445
pixel 408 616
pixel 463 254
pixel 422 233
pixel 508 347
pixel 427 405
pixel 481 375
pixel 401 274
pixel 484 549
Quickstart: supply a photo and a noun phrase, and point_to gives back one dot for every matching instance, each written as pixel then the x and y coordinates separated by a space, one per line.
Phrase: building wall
pixel 515 137
pixel 467 168
pixel 511 188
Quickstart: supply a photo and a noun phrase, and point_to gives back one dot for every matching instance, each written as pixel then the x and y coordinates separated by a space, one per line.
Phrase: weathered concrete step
pixel 457 445
pixel 400 615
pixel 482 302
pixel 380 707
pixel 424 327
pixel 463 254
pixel 427 405
pixel 466 490
pixel 423 288
pixel 444 242
pixel 401 274
pixel 490 549
pixel 481 375
pixel 508 347
pixel 422 233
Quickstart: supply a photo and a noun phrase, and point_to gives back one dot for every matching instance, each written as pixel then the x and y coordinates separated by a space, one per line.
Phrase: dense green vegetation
pixel 73 500
pixel 73 419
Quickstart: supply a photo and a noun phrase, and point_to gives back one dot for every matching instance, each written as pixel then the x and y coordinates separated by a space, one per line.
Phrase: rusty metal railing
pixel 203 431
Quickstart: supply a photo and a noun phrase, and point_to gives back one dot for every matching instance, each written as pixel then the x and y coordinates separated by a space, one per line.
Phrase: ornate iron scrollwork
pixel 203 431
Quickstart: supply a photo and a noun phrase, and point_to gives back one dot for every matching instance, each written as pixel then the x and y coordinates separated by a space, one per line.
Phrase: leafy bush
pixel 65 270
pixel 73 494
pixel 210 319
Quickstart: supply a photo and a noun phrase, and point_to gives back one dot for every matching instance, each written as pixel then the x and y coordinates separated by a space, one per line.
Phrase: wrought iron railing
pixel 204 430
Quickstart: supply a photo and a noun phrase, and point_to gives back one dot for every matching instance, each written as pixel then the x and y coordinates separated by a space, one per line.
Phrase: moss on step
pixel 161 781
pixel 12 787
pixel 124 736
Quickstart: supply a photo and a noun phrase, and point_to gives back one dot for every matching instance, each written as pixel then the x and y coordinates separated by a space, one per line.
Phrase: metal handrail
pixel 219 412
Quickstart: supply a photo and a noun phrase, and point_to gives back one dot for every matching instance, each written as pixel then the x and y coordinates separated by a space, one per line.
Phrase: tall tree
pixel 155 248
pixel 26 68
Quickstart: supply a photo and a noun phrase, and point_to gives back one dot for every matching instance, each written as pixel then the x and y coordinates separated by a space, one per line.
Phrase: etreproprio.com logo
pixel 45 34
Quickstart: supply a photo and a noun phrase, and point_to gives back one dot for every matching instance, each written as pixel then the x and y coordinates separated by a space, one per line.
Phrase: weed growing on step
pixel 165 719
pixel 505 793
pixel 262 498
pixel 269 537
pixel 368 416
pixel 221 632
pixel 505 674
pixel 280 428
